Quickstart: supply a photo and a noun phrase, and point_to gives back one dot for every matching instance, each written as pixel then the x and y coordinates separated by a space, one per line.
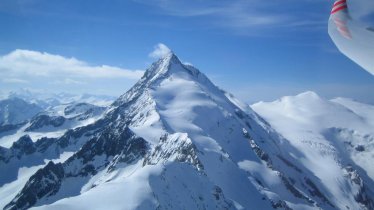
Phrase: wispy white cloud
pixel 239 14
pixel 23 63
pixel 14 80
pixel 159 51
pixel 68 81
pixel 56 73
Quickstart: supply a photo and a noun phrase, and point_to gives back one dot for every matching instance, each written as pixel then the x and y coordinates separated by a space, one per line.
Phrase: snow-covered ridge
pixel 176 141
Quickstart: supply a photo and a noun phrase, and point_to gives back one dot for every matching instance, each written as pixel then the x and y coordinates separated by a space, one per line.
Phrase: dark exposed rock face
pixel 280 205
pixel 74 109
pixel 289 182
pixel 360 148
pixel 10 127
pixel 45 120
pixel 314 191
pixel 120 146
pixel 363 194
pixel 181 147
pixel 3 154
pixel 81 108
pixel 24 146
pixel 11 159
pixel 74 113
pixel 83 111
pixel 45 181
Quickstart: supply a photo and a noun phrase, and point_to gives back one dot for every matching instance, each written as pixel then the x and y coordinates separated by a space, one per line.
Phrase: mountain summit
pixel 176 141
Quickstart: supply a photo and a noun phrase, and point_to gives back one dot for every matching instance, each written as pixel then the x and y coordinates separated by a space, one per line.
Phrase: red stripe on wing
pixel 339 2
pixel 335 10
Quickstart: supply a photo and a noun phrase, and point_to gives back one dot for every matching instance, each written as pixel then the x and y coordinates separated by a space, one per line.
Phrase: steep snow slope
pixel 176 141
pixel 331 135
pixel 365 111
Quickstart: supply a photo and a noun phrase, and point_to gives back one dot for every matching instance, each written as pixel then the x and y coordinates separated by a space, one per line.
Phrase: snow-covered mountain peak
pixel 168 65
pixel 307 108
pixel 302 97
pixel 176 141
pixel 167 69
pixel 164 63
pixel 308 94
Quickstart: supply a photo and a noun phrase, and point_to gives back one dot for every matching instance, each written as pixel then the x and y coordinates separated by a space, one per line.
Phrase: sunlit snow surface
pixel 207 150
pixel 327 132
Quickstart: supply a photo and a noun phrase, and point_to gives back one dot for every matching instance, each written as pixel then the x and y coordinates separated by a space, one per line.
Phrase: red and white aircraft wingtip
pixel 339 6
pixel 351 38
pixel 339 16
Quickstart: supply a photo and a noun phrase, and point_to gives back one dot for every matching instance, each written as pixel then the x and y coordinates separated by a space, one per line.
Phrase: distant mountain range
pixel 46 99
pixel 177 141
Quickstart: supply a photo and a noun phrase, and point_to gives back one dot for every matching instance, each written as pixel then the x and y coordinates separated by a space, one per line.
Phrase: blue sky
pixel 258 50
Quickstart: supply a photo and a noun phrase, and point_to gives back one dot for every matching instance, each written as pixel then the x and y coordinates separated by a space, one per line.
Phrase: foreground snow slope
pixel 176 141
pixel 329 133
